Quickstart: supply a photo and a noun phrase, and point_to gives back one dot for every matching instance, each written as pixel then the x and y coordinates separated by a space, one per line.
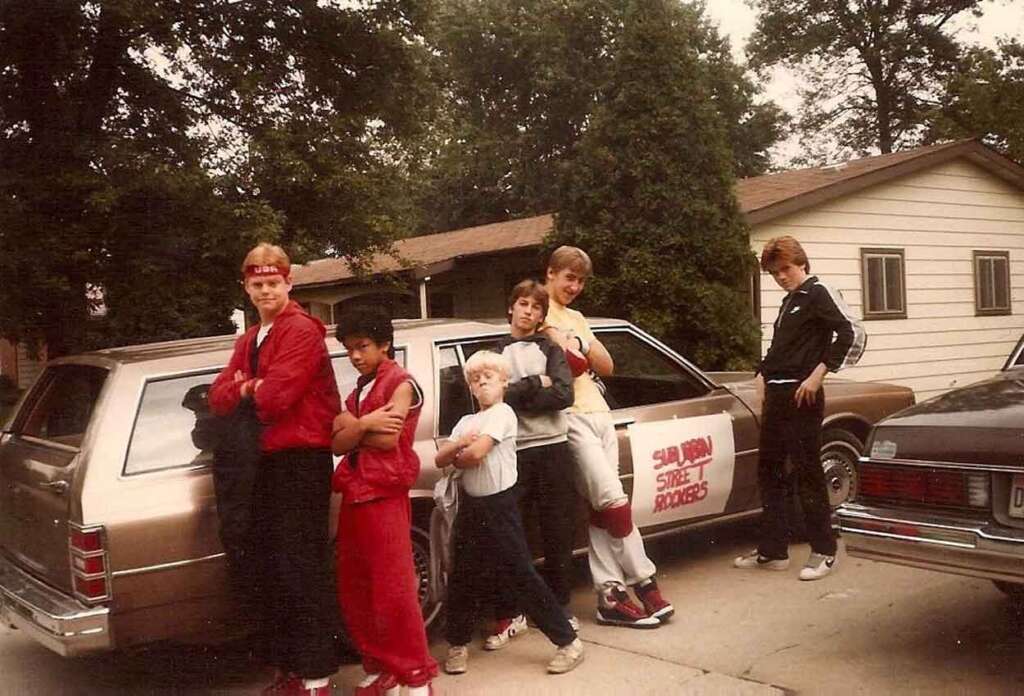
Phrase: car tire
pixel 1013 591
pixel 421 562
pixel 840 450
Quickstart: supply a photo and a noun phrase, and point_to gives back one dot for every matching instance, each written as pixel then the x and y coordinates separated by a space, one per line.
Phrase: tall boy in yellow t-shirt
pixel 617 555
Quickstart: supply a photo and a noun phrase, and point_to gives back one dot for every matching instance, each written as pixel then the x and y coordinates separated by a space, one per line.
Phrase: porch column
pixel 423 297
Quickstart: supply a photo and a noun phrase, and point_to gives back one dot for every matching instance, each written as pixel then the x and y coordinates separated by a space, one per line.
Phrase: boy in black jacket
pixel 539 391
pixel 815 333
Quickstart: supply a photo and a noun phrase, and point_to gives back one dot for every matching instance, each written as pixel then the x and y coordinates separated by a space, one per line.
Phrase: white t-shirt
pixel 497 472
pixel 262 333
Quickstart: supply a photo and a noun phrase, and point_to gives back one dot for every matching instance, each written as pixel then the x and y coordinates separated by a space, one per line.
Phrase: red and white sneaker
pixel 384 685
pixel 655 605
pixel 615 608
pixel 505 631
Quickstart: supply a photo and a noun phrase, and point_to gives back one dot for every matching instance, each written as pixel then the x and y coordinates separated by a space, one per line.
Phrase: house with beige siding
pixel 926 245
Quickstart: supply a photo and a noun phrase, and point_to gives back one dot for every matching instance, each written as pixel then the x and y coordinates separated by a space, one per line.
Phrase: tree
pixel 649 194
pixel 521 80
pixel 984 98
pixel 871 67
pixel 145 145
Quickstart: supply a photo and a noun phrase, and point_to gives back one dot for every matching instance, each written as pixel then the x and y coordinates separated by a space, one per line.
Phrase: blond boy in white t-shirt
pixel 488 542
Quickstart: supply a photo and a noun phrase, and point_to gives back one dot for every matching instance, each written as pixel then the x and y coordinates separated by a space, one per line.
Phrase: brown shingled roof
pixel 435 248
pixel 761 198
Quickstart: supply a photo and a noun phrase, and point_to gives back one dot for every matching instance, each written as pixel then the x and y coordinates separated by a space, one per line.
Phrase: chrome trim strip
pixel 173 565
pixel 732 517
pixel 993 468
pixel 43 442
pixel 902 537
pixel 982 530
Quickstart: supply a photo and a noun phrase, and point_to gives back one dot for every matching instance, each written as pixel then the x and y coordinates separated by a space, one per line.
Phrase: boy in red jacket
pixel 376 578
pixel 280 371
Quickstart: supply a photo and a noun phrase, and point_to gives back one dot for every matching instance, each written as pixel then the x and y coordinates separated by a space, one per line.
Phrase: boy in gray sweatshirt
pixel 539 391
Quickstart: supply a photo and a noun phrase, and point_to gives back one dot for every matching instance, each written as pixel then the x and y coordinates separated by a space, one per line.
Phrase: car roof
pixel 432 329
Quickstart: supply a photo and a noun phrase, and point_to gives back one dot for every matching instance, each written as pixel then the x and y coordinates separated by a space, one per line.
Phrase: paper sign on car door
pixel 681 468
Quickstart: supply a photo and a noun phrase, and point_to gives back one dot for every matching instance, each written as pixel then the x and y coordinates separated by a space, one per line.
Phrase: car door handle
pixel 58 487
pixel 624 420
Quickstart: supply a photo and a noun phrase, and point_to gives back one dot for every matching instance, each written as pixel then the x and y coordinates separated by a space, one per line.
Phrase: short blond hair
pixel 487 360
pixel 572 258
pixel 267 254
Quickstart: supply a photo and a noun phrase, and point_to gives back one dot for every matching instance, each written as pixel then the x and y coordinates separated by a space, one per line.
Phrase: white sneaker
pixel 567 658
pixel 505 631
pixel 817 566
pixel 457 660
pixel 756 560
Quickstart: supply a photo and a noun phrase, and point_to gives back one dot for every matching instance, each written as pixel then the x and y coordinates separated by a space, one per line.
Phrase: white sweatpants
pixel 595 448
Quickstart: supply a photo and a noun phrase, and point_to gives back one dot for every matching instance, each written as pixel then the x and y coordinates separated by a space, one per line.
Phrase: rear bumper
pixel 54 619
pixel 944 543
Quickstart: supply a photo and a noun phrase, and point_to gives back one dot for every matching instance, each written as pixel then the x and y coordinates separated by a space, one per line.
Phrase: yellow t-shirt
pixel 588 396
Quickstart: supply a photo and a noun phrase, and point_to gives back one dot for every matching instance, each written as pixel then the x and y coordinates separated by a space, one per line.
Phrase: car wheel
pixel 421 561
pixel 840 450
pixel 1012 590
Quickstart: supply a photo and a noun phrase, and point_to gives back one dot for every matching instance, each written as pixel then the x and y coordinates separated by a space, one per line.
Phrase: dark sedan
pixel 942 484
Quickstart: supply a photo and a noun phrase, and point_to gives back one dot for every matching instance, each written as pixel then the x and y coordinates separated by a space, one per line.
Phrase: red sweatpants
pixel 377 590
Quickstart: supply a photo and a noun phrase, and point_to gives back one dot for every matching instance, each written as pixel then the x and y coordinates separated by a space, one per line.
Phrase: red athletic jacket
pixel 298 399
pixel 380 473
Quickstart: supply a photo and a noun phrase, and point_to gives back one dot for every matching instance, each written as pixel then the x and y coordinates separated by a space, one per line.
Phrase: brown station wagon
pixel 108 528
pixel 942 484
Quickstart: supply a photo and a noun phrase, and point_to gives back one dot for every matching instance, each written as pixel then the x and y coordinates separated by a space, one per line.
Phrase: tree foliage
pixel 872 68
pixel 521 80
pixel 984 98
pixel 649 194
pixel 145 144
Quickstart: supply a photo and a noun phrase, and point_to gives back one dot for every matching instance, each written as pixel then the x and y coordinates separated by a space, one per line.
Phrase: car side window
pixel 453 394
pixel 454 398
pixel 174 427
pixel 644 374
pixel 62 404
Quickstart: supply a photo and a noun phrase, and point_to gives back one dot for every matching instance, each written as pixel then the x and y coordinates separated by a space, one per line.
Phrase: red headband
pixel 267 270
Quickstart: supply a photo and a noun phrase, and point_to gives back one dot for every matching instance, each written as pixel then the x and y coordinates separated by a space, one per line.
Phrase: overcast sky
pixel 735 19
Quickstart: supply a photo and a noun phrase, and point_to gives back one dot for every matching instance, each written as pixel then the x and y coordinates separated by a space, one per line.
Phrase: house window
pixel 991 282
pixel 884 281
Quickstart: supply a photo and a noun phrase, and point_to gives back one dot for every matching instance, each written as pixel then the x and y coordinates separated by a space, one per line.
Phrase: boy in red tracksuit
pixel 280 372
pixel 376 578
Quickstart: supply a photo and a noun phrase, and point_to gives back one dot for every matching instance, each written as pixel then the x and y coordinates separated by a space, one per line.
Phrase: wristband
pixel 584 345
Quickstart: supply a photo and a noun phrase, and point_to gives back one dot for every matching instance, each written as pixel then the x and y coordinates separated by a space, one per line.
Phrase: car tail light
pixel 924 486
pixel 90 578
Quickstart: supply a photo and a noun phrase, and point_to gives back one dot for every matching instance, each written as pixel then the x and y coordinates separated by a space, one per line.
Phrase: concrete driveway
pixel 867 629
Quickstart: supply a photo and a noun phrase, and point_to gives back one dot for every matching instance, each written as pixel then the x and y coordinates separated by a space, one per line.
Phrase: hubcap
pixel 838 460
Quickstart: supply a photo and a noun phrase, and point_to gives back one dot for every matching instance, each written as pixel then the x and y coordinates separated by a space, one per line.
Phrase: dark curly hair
pixel 373 322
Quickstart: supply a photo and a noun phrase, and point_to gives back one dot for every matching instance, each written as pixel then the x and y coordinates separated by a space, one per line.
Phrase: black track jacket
pixel 809 318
